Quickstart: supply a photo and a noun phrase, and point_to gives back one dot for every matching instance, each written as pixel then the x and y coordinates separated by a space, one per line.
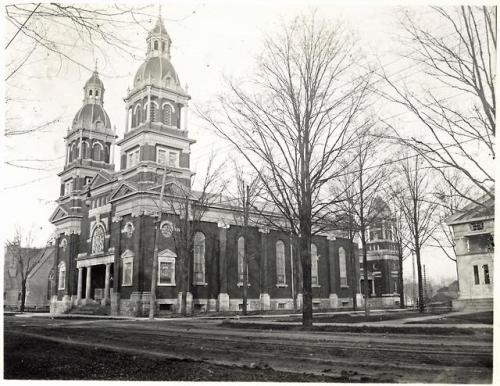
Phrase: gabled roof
pixel 101 178
pixel 483 209
pixel 124 189
pixel 59 213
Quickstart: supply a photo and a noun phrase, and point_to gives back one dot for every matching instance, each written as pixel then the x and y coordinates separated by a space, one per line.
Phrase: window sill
pixel 315 286
pixel 281 285
pixel 126 285
pixel 344 286
pixel 201 284
pixel 166 284
pixel 240 284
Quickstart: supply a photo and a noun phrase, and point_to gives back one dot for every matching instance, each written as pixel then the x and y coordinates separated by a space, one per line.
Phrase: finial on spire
pixel 95 67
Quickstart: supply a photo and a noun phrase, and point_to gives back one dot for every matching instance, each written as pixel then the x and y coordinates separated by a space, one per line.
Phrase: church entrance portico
pixel 94 279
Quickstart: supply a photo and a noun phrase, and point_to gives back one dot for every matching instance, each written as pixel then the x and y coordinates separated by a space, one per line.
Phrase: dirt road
pixel 367 357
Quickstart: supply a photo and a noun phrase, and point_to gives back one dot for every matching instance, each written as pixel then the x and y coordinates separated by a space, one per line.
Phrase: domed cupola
pixel 92 115
pixel 157 70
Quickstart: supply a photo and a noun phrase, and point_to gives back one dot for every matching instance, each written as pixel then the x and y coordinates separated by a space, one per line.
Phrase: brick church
pixel 105 219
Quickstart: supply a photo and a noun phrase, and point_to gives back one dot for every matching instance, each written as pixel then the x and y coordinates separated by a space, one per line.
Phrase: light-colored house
pixel 38 283
pixel 473 233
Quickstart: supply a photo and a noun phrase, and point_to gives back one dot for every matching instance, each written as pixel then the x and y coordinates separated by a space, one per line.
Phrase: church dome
pixel 91 116
pixel 159 71
pixel 94 81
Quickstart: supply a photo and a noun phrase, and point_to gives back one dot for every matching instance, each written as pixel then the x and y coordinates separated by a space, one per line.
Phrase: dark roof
pixel 157 69
pixel 88 115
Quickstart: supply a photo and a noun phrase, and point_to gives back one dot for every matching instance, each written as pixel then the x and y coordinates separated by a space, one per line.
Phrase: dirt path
pixel 355 357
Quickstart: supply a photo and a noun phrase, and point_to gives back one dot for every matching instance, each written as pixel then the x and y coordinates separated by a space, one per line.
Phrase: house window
pixel 127 268
pixel 343 267
pixel 486 272
pixel 98 240
pixel 68 187
pixel 477 226
pixel 476 274
pixel 199 258
pixel 156 44
pixel 166 269
pixel 132 158
pixel 280 263
pixel 172 160
pixel 241 256
pixel 62 275
pixel 314 265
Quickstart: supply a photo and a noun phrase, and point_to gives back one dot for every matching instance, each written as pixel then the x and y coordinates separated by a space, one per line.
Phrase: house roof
pixel 484 208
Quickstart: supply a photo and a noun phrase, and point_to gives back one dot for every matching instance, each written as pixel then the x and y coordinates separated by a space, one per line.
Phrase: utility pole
pixel 152 303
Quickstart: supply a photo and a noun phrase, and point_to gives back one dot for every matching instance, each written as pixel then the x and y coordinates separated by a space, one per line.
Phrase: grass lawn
pixel 485 317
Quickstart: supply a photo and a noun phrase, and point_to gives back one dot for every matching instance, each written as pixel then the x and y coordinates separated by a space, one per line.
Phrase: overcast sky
pixel 210 39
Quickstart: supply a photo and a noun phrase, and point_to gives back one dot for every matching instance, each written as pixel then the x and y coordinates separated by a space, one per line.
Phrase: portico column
pixel 87 286
pixel 106 282
pixel 79 288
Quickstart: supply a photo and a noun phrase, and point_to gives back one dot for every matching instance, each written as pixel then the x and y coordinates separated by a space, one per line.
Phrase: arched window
pixel 280 263
pixel 90 92
pixel 342 267
pixel 138 114
pixel 153 112
pixel 199 258
pixel 74 150
pixel 167 114
pixel 97 152
pixel 156 45
pixel 96 93
pixel 98 240
pixel 241 256
pixel 314 265
pixel 62 275
pixel 85 149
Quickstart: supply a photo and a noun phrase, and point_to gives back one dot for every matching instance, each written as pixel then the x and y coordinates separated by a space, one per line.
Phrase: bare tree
pixel 414 195
pixel 360 185
pixel 24 258
pixel 185 209
pixel 291 124
pixel 460 57
pixel 449 203
pixel 247 192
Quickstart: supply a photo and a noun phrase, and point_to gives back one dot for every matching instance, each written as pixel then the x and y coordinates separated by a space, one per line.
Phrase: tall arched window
pixel 167 114
pixel 138 114
pixel 342 267
pixel 156 44
pixel 98 240
pixel 241 255
pixel 62 275
pixel 199 258
pixel 280 263
pixel 314 265
pixel 97 152
pixel 153 111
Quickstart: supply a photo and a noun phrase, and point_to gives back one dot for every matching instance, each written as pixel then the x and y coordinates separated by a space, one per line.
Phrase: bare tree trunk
pixel 353 274
pixel 421 301
pixel 400 278
pixel 23 294
pixel 305 256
